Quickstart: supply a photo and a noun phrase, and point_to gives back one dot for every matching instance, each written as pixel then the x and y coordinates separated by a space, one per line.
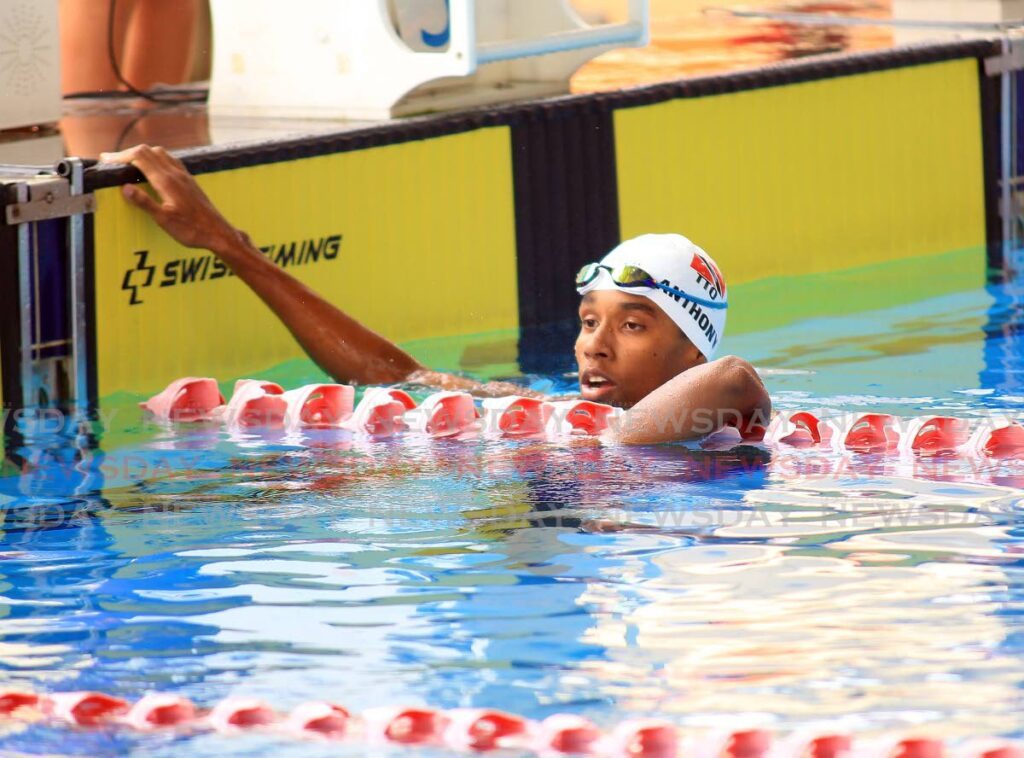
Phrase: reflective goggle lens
pixel 632 276
pixel 587 274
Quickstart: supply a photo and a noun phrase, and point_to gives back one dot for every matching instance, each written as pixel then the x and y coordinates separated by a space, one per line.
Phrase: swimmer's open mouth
pixel 595 386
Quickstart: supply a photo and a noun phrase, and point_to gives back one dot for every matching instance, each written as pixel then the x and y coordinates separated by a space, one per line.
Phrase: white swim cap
pixel 697 300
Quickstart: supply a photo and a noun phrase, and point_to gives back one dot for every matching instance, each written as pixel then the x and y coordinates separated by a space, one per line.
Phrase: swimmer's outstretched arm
pixel 340 345
pixel 699 401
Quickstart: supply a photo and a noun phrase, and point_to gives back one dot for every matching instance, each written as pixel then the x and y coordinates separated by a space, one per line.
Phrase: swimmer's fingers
pixel 141 199
pixel 181 207
pixel 162 170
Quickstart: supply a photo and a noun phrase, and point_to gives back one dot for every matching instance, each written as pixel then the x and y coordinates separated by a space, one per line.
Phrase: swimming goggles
pixel 634 276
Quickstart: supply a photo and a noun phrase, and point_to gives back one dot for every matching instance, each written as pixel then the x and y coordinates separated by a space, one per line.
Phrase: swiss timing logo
pixel 139 277
pixel 206 267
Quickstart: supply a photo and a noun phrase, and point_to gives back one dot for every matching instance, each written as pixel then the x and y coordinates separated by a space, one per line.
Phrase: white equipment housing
pixel 29 63
pixel 951 12
pixel 377 59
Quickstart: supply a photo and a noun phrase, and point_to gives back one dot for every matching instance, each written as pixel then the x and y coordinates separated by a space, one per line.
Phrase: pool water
pixel 714 588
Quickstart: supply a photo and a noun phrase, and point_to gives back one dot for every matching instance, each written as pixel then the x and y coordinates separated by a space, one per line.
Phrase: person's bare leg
pixel 84 51
pixel 159 45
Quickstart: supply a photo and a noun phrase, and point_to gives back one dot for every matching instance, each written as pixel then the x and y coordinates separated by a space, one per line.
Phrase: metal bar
pixel 1012 194
pixel 1013 60
pixel 37 335
pixel 25 302
pixel 76 252
pixel 830 19
pixel 18 170
pixel 619 34
pixel 52 343
pixel 640 12
pixel 51 206
pixel 1006 154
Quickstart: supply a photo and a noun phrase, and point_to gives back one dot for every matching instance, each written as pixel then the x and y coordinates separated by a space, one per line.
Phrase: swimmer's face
pixel 627 348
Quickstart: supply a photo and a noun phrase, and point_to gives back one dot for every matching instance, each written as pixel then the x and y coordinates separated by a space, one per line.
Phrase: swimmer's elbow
pixel 744 386
pixel 691 407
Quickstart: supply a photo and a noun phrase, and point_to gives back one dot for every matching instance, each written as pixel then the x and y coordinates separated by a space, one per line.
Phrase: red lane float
pixel 646 737
pixel 187 399
pixel 380 412
pixel 517 415
pixel 919 748
pixel 407 725
pixel 12 700
pixel 444 414
pixel 751 743
pixel 936 435
pixel 882 433
pixel 567 733
pixel 83 708
pixel 318 406
pixel 234 713
pixel 387 411
pixel 1004 751
pixel 586 417
pixel 462 729
pixel 254 404
pixel 157 711
pixel 483 729
pixel 872 433
pixel 829 746
pixel 1002 439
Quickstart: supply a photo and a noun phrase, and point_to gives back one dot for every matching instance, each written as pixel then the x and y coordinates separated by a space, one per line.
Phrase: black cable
pixel 197 92
pixel 132 89
pixel 119 144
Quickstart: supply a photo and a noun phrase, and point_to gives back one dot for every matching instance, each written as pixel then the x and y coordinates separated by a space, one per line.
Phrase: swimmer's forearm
pixel 340 345
pixel 696 403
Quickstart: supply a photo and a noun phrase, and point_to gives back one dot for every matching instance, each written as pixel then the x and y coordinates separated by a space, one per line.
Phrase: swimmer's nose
pixel 593 344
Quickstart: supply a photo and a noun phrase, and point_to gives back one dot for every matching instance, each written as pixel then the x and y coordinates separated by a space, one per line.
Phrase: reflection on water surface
pixel 797 587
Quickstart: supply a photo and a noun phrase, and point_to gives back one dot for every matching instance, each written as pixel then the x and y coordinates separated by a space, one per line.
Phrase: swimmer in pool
pixel 652 314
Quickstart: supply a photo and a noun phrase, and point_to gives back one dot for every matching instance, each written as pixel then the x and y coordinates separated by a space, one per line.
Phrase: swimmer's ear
pixel 696 356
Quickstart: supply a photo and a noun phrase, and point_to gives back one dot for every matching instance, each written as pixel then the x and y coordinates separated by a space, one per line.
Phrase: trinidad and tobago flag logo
pixel 709 271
